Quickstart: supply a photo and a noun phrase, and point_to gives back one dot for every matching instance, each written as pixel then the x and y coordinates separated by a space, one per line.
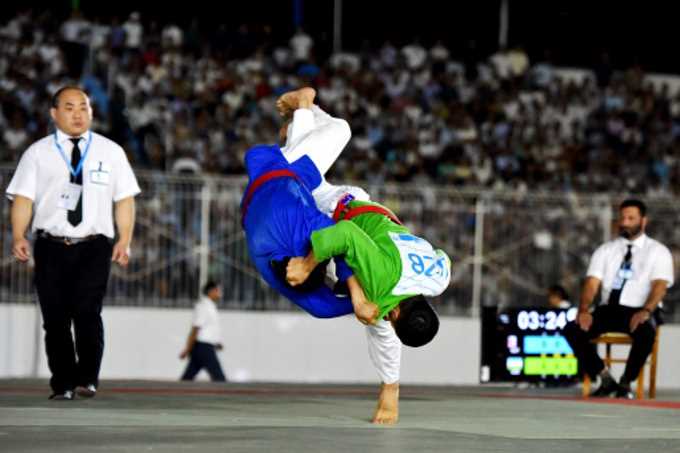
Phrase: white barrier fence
pixel 506 247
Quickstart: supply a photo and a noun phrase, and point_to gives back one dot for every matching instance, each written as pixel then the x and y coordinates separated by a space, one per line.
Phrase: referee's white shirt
pixel 207 321
pixel 42 175
pixel 651 261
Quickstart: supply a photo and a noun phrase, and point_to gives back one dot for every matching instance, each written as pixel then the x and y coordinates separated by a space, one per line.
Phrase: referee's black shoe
pixel 608 387
pixel 66 395
pixel 625 392
pixel 86 391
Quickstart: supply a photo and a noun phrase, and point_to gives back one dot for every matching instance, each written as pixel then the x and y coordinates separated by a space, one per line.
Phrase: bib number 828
pixel 428 265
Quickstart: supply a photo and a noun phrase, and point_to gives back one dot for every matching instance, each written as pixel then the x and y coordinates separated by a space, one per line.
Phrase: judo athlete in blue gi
pixel 279 213
pixel 279 217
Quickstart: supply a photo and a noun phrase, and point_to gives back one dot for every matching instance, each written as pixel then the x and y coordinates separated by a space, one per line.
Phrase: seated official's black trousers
pixel 71 283
pixel 203 356
pixel 611 318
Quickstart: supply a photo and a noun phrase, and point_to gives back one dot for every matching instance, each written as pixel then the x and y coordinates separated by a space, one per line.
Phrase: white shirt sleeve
pixel 24 181
pixel 125 183
pixel 200 315
pixel 597 263
pixel 384 349
pixel 662 269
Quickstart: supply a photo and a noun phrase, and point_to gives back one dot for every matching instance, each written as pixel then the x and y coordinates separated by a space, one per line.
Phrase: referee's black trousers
pixel 611 318
pixel 71 283
pixel 203 355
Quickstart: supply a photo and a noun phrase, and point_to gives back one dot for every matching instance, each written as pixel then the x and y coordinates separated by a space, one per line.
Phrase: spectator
pixel 134 32
pixel 414 54
pixel 301 44
pixel 558 297
pixel 15 137
pixel 75 35
pixel 172 37
pixel 519 61
pixel 413 108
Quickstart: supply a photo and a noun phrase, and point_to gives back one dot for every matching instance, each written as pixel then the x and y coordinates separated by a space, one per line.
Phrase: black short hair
pixel 57 94
pixel 634 203
pixel 418 322
pixel 316 278
pixel 559 291
pixel 209 286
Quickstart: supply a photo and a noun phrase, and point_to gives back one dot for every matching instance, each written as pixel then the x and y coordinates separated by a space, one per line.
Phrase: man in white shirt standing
pixel 70 182
pixel 634 272
pixel 301 44
pixel 205 337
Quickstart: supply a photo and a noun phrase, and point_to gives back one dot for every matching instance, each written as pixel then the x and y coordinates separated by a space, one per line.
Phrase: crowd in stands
pixel 181 99
pixel 187 100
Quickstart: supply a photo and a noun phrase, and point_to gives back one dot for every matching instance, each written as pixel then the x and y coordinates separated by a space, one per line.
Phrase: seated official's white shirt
pixel 207 321
pixel 651 261
pixel 42 174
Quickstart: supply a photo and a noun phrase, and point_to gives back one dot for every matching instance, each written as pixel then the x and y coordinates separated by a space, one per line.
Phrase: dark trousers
pixel 71 282
pixel 612 319
pixel 203 356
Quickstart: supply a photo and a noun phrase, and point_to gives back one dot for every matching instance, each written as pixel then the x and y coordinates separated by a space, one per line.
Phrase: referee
pixel 632 273
pixel 70 182
pixel 205 336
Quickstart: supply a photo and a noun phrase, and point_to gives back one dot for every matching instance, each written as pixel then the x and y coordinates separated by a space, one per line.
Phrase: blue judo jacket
pixel 279 221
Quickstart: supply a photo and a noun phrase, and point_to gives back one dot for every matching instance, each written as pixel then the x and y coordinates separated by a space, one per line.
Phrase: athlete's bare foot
pixel 288 102
pixel 282 106
pixel 387 411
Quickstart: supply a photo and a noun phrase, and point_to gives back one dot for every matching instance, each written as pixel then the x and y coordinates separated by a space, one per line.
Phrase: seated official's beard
pixel 629 232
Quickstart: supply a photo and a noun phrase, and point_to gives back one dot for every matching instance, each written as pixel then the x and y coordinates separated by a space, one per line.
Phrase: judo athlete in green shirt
pixel 395 268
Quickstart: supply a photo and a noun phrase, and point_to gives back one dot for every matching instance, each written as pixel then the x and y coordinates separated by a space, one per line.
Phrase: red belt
pixel 259 181
pixel 350 213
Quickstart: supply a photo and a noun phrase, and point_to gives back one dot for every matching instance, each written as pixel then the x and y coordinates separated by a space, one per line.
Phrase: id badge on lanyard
pixel 70 194
pixel 622 275
pixel 74 171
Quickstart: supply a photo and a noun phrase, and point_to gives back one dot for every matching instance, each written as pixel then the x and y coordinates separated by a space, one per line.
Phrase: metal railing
pixel 507 247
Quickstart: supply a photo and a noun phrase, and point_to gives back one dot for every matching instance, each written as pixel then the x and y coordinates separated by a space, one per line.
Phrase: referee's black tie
pixel 615 294
pixel 75 216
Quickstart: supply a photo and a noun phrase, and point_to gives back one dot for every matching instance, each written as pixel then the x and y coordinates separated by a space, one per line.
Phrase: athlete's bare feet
pixel 387 411
pixel 288 102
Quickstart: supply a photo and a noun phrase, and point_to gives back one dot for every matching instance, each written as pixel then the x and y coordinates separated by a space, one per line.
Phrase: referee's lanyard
pixel 75 172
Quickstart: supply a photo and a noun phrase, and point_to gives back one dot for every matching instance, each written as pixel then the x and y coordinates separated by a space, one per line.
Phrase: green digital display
pixel 550 366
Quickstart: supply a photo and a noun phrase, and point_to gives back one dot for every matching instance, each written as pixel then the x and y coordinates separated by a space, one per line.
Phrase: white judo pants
pixel 316 134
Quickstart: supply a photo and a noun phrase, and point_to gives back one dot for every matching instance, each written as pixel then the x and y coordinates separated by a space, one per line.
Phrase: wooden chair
pixel 610 338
